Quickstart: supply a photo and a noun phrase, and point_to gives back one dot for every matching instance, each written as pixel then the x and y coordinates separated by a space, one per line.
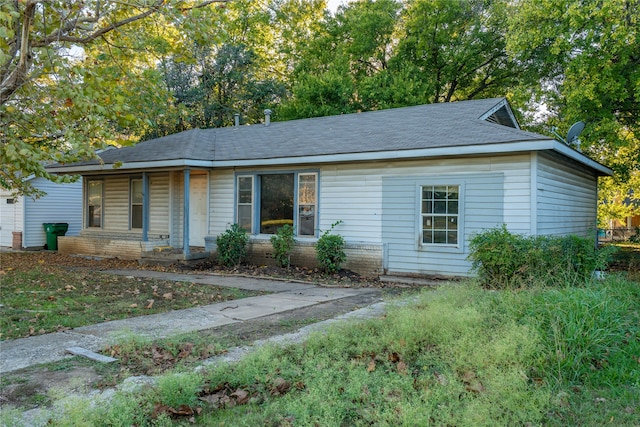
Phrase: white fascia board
pixel 107 167
pixel 579 157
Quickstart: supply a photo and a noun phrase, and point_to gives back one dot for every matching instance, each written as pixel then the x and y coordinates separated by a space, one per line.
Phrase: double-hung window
pixel 439 215
pixel 265 202
pixel 136 203
pixel 94 203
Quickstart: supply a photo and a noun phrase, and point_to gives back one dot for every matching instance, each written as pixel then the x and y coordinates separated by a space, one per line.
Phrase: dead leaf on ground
pixel 402 368
pixel 371 366
pixel 168 295
pixel 280 386
pixel 241 396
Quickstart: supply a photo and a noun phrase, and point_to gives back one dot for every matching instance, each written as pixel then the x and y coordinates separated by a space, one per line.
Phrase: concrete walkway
pixel 285 296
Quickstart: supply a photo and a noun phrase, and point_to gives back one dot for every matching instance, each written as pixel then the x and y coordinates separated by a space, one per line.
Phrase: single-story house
pixel 409 185
pixel 21 217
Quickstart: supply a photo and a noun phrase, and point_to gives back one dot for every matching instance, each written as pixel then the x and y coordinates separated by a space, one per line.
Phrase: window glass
pixel 439 210
pixel 136 203
pixel 245 203
pixel 307 204
pixel 276 202
pixel 94 203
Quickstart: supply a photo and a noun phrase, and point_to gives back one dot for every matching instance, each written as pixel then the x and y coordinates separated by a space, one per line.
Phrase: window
pixel 136 203
pixel 307 204
pixel 94 203
pixel 439 212
pixel 245 202
pixel 272 200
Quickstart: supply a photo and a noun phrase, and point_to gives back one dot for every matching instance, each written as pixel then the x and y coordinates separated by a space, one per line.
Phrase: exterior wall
pixel 567 198
pixel 107 245
pixel 62 203
pixel 481 206
pixel 11 217
pixel 354 194
pixel 116 206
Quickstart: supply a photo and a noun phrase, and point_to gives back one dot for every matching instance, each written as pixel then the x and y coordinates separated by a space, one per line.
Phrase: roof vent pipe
pixel 236 119
pixel 267 117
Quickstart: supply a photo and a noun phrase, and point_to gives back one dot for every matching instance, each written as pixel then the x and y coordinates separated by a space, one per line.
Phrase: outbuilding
pixel 409 186
pixel 22 217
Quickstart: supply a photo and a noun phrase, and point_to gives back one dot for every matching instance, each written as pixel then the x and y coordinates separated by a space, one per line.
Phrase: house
pixel 410 185
pixel 21 217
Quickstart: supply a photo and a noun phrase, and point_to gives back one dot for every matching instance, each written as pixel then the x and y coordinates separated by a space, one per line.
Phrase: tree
pixel 389 53
pixel 583 60
pixel 67 69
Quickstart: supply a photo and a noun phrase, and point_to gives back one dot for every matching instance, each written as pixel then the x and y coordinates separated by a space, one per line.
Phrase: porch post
pixel 185 222
pixel 145 207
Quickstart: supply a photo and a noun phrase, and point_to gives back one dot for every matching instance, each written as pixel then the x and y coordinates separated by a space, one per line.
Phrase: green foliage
pixel 330 250
pixel 232 246
pixel 283 242
pixel 177 389
pixel 505 260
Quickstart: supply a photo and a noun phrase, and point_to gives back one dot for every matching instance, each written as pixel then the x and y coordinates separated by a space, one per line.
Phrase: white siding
pixel 116 203
pixel 62 203
pixel 221 201
pixel 159 204
pixel 566 197
pixel 353 193
pixel 481 206
pixel 11 217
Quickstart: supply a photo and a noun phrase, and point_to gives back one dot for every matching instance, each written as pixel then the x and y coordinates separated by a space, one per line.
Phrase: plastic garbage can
pixel 54 230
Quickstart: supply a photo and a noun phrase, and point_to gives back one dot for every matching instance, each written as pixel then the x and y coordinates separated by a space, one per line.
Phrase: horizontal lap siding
pixel 62 203
pixel 221 201
pixel 159 204
pixel 116 203
pixel 481 207
pixel 566 198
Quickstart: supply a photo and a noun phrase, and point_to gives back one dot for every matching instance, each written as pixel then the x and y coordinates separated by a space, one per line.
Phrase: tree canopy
pixel 76 75
pixel 72 72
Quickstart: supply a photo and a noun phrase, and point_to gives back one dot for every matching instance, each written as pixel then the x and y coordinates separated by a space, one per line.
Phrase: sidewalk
pixel 285 296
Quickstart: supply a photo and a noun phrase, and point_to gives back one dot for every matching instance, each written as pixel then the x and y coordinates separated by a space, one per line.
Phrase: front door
pixel 197 209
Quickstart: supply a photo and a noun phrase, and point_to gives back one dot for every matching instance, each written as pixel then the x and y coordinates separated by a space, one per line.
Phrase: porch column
pixel 185 222
pixel 145 207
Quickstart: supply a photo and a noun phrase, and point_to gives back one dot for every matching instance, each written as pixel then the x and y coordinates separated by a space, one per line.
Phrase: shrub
pixel 506 260
pixel 330 250
pixel 232 246
pixel 282 244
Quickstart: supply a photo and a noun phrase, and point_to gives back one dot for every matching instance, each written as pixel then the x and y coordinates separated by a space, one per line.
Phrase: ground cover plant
pixel 458 355
pixel 45 292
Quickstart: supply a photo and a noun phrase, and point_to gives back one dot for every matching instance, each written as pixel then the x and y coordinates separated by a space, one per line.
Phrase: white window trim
pixel 255 205
pixel 440 247
pixel 86 204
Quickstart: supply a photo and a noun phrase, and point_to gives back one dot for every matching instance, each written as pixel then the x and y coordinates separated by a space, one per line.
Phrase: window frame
pixel 440 247
pixel 131 203
pixel 256 197
pixel 88 204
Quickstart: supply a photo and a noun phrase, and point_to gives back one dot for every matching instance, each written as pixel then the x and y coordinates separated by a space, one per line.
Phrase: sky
pixel 332 5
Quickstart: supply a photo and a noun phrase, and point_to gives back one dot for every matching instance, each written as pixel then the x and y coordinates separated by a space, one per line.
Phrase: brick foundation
pixel 16 243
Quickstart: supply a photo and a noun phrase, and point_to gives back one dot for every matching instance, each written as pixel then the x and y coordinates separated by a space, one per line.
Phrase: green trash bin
pixel 54 230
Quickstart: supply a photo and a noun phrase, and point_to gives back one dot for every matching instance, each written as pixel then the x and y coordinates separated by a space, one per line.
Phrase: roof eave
pixel 464 150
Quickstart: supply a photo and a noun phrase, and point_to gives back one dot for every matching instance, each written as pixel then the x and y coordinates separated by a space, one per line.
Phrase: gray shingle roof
pixel 424 126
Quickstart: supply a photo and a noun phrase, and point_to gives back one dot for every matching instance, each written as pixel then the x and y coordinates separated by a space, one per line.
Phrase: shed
pixel 21 217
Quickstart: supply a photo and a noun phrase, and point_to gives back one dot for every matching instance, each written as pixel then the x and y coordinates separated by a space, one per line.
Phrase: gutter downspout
pixel 185 224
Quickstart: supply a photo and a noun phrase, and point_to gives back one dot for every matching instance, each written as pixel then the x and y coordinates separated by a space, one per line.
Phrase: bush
pixel 232 246
pixel 330 250
pixel 282 244
pixel 505 260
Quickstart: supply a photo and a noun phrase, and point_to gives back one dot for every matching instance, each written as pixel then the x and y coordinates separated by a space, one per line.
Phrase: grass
pixel 459 355
pixel 38 297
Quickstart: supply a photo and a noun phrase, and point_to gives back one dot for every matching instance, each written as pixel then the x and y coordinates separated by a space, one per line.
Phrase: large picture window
pixel 266 202
pixel 94 203
pixel 136 203
pixel 439 214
